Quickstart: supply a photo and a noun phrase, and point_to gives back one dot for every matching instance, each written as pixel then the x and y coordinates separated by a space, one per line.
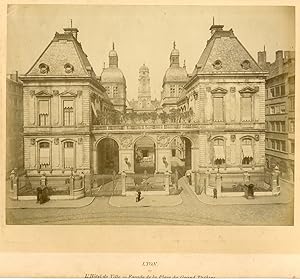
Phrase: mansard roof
pixel 63 56
pixel 224 53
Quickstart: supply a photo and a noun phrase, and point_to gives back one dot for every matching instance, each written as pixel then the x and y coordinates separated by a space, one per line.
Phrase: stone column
pixel 72 178
pixel 123 182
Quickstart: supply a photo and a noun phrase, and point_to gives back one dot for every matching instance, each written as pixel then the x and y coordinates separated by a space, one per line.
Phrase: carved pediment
pixel 68 94
pixel 43 93
pixel 248 89
pixel 218 91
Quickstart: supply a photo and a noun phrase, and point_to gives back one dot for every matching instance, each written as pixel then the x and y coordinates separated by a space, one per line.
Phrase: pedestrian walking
pixel 138 195
pixel 215 193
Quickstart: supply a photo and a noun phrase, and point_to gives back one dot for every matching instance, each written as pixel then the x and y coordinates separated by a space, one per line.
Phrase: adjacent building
pixel 280 112
pixel 14 124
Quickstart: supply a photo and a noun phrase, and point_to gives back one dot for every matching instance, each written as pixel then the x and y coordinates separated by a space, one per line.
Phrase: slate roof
pixel 112 74
pixel 224 46
pixel 175 74
pixel 63 49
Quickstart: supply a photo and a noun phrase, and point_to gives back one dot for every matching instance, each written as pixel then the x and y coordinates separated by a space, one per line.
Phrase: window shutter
pixel 246 109
pixel 218 109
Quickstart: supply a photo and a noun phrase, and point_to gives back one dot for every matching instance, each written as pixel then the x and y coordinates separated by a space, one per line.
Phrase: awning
pixel 94 109
pixel 247 151
pixel 219 152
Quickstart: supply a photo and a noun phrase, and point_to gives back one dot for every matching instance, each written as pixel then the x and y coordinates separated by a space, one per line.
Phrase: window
pixel 283 129
pixel 247 151
pixel 277 109
pixel 180 89
pixel 292 126
pixel 283 146
pixel 44 112
pixel 277 126
pixel 68 155
pixel 277 145
pixel 172 90
pixel 292 103
pixel 108 90
pixel 115 91
pixel 272 126
pixel 246 108
pixel 68 112
pixel 282 109
pixel 273 144
pixel 272 110
pixel 292 147
pixel 173 152
pixel 219 153
pixel 273 92
pixel 277 91
pixel 267 126
pixel 44 155
pixel 282 89
pixel 218 108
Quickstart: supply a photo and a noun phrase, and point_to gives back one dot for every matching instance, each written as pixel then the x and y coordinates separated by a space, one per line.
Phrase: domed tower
pixel 144 91
pixel 173 82
pixel 114 82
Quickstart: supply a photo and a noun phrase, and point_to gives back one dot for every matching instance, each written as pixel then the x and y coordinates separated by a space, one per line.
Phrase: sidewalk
pixel 50 204
pixel 147 201
pixel 283 198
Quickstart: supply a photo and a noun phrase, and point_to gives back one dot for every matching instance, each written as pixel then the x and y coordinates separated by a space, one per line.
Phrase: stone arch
pixel 144 154
pixel 142 136
pixel 105 137
pixel 181 153
pixel 107 155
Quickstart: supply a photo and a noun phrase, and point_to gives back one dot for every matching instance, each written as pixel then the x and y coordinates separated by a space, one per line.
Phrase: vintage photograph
pixel 150 115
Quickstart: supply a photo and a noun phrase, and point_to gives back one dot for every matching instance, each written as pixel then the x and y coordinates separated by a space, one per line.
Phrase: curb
pixel 142 206
pixel 219 204
pixel 48 207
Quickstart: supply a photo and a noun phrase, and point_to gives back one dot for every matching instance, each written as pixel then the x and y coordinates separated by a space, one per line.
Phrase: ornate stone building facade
pixel 227 96
pixel 61 97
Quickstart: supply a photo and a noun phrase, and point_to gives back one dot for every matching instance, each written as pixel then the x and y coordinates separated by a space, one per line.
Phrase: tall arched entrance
pixel 107 156
pixel 181 149
pixel 144 155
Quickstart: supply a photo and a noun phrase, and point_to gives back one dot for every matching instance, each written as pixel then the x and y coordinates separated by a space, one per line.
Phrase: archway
pixel 181 149
pixel 107 156
pixel 144 155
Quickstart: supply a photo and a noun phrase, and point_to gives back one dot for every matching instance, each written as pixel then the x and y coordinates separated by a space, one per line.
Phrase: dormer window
pixel 44 68
pixel 217 64
pixel 246 65
pixel 69 68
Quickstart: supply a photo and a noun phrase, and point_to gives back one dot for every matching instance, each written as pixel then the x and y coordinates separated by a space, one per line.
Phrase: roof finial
pixel 213 20
pixel 264 48
pixel 113 46
pixel 184 63
pixel 103 65
pixel 71 22
pixel 174 45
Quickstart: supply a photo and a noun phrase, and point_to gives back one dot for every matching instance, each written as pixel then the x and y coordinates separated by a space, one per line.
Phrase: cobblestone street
pixel 190 212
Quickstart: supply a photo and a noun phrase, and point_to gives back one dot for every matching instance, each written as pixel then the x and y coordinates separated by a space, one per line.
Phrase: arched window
pixel 44 155
pixel 69 154
pixel 219 152
pixel 247 151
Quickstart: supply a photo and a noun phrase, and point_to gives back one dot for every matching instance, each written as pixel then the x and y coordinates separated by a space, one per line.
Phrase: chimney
pixel 17 76
pixel 71 30
pixel 262 58
pixel 215 28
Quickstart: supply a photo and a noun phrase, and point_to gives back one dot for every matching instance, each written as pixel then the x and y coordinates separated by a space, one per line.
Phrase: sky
pixel 144 34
